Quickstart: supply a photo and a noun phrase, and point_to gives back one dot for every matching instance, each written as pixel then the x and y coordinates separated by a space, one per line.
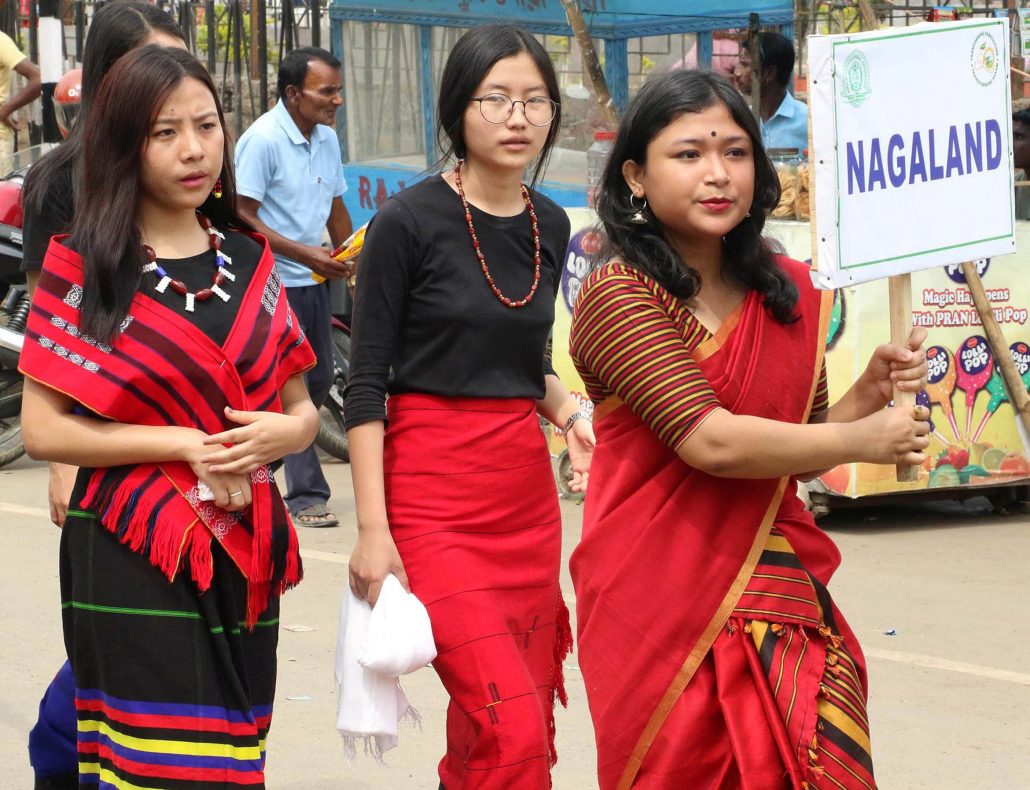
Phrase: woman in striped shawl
pixel 161 358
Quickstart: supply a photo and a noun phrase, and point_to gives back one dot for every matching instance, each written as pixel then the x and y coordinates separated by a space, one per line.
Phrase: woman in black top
pixel 48 207
pixel 457 497
pixel 157 316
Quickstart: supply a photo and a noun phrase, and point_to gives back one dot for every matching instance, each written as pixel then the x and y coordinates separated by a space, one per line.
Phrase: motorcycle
pixel 14 301
pixel 332 432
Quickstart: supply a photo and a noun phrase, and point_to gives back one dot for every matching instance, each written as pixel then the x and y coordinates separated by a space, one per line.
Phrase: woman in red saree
pixel 712 654
pixel 159 333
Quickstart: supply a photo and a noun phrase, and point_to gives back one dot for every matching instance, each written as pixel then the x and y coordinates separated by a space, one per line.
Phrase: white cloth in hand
pixel 373 648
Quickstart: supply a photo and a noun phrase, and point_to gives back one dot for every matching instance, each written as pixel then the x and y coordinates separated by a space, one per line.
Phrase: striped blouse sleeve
pixel 821 401
pixel 625 342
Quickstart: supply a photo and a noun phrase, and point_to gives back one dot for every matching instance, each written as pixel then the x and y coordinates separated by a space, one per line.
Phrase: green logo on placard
pixel 983 58
pixel 854 79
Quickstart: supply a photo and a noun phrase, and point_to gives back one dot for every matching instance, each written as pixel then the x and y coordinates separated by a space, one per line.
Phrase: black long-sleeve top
pixel 423 306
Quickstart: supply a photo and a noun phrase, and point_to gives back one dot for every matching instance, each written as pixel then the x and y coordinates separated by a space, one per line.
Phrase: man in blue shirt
pixel 290 182
pixel 784 119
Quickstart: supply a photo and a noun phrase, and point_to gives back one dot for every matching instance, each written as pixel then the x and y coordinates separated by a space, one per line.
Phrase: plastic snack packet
pixel 349 249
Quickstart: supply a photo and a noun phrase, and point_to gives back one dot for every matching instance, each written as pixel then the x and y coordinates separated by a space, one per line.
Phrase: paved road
pixel 950 692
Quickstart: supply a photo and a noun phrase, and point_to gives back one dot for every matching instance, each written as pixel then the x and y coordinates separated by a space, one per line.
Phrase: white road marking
pixel 932 662
pixel 912 659
pixel 22 510
pixel 325 556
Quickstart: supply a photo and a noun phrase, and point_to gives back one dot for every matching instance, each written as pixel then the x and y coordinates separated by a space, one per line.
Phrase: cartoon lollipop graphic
pixel 975 365
pixel 1021 356
pixel 923 399
pixel 940 382
pixel 996 387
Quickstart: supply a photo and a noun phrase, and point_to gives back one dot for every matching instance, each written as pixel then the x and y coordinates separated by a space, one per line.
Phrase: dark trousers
pixel 305 483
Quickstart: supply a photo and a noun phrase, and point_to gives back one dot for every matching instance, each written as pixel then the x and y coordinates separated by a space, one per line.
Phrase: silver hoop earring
pixel 637 217
pixel 748 215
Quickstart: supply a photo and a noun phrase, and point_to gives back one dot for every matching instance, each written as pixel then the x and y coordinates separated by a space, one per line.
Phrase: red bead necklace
pixel 221 274
pixel 479 253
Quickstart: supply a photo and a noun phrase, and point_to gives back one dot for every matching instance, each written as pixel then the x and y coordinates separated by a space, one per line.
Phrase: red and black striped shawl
pixel 163 370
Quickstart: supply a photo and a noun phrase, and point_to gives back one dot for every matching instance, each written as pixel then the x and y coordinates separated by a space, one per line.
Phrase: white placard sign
pixel 912 149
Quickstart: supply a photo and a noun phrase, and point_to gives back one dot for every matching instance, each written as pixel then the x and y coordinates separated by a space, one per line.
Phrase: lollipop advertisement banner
pixel 976 437
pixel 911 151
pixel 584 244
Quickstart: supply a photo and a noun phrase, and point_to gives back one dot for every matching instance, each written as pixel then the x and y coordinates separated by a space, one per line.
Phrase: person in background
pixel 291 185
pixel 784 118
pixel 725 53
pixel 48 206
pixel 1021 159
pixel 13 61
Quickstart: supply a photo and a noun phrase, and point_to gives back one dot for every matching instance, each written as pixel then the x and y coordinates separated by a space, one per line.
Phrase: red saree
pixel 162 370
pixel 666 556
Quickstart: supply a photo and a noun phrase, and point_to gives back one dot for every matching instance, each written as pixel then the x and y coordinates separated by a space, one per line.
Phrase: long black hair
pixel 119 27
pixel 746 257
pixel 473 56
pixel 105 231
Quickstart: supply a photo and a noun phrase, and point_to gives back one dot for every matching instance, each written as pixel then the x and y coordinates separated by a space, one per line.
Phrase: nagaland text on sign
pixel 912 149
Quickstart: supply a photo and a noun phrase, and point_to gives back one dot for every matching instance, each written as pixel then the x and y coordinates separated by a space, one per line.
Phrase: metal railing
pixel 240 41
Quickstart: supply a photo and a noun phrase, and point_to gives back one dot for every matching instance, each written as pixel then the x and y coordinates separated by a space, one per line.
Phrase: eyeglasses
pixel 497 108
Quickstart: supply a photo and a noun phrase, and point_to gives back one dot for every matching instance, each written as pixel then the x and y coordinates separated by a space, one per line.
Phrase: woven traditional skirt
pixel 473 510
pixel 171 690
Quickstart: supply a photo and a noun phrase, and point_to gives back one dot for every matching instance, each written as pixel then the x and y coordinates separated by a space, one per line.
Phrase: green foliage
pixel 223 42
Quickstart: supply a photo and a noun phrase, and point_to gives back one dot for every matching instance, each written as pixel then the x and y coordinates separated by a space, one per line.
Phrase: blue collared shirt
pixel 294 179
pixel 788 126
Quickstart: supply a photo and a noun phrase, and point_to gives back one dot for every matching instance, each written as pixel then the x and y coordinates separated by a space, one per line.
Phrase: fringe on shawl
pixel 261 571
pixel 562 648
pixel 294 566
pixel 371 742
pixel 142 517
pixel 167 531
pixel 265 568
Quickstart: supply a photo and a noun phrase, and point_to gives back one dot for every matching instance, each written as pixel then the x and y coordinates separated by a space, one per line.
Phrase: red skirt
pixel 473 509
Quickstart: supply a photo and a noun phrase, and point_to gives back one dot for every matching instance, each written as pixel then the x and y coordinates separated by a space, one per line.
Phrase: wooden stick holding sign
pixel 1018 396
pixel 900 300
pixel 899 296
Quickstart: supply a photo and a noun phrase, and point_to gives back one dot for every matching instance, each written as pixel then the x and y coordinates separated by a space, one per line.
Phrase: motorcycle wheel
pixel 332 433
pixel 11 445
